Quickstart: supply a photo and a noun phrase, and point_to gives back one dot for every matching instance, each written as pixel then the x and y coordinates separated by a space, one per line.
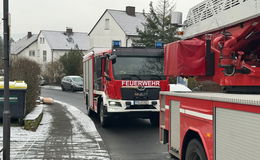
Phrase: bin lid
pixel 14 85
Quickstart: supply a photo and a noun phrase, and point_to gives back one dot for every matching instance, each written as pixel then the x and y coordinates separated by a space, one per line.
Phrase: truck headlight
pixel 114 104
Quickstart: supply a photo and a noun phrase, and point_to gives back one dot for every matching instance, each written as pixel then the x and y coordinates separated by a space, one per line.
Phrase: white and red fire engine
pixel 221 43
pixel 124 82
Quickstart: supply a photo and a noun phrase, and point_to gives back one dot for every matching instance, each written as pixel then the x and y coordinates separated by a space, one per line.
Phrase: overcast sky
pixel 81 15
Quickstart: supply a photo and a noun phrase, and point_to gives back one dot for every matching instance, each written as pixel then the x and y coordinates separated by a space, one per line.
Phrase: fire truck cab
pixel 124 82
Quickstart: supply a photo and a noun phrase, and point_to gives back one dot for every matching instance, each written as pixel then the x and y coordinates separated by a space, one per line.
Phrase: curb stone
pixel 33 119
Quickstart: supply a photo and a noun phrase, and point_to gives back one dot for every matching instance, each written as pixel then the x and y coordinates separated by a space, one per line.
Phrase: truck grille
pixel 140 94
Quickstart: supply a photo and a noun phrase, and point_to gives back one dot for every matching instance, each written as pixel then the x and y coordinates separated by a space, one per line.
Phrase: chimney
pixel 130 10
pixel 69 31
pixel 29 35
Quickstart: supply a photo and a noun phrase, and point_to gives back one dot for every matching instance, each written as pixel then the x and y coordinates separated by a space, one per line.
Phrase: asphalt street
pixel 125 139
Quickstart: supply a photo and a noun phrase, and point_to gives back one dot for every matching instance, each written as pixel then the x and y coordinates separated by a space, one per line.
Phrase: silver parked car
pixel 72 83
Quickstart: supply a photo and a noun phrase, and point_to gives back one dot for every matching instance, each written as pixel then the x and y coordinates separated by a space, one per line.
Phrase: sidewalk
pixel 64 133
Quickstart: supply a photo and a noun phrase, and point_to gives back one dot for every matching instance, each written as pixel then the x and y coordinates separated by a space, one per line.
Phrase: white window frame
pixel 107 24
pixel 44 56
pixel 32 53
pixel 42 40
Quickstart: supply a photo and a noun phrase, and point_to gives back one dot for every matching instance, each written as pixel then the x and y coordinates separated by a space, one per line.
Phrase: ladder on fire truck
pixel 212 15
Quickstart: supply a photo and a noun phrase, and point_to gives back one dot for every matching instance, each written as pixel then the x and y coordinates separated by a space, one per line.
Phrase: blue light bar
pixel 159 44
pixel 116 44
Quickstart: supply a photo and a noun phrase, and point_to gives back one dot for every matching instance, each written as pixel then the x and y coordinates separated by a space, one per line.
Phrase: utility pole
pixel 6 112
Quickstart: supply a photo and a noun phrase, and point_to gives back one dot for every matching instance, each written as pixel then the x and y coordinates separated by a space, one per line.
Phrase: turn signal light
pixel 209 135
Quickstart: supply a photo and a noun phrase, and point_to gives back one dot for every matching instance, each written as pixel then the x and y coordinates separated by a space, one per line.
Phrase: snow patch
pixel 22 140
pixel 51 87
pixel 35 113
pixel 84 141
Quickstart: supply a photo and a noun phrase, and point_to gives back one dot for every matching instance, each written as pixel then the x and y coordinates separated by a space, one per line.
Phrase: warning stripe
pixel 197 114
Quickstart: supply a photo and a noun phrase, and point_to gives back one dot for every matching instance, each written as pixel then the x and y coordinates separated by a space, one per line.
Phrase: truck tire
pixel 102 115
pixel 195 151
pixel 154 120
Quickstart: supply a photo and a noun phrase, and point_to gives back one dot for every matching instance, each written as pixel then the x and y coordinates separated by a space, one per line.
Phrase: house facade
pixel 49 46
pixel 25 48
pixel 116 25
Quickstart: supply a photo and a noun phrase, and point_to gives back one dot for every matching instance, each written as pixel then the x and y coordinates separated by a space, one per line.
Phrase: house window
pixel 41 40
pixel 32 53
pixel 106 24
pixel 44 56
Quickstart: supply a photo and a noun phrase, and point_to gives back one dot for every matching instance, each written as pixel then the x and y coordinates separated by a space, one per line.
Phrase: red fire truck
pixel 221 44
pixel 124 82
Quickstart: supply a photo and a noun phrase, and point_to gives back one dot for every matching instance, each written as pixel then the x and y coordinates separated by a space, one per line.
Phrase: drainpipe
pixel 126 42
pixel 51 56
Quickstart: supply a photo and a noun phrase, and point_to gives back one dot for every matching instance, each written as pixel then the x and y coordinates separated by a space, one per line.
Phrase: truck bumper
pixel 132 107
pixel 138 114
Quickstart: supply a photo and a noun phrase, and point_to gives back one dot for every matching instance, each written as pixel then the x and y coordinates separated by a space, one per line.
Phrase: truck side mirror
pixel 108 78
pixel 113 61
pixel 112 57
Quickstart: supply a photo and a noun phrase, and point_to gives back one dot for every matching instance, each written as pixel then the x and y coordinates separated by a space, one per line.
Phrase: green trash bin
pixel 17 99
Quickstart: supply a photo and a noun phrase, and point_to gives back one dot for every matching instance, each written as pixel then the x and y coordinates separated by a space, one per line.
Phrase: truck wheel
pixel 195 151
pixel 102 116
pixel 154 120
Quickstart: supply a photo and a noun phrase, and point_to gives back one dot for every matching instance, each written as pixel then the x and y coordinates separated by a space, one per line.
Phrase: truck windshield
pixel 138 68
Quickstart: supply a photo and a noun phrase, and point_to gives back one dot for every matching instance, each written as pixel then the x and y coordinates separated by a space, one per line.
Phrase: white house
pixel 49 46
pixel 25 47
pixel 116 25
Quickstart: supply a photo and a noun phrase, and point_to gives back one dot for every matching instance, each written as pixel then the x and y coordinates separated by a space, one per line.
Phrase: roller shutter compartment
pixel 237 135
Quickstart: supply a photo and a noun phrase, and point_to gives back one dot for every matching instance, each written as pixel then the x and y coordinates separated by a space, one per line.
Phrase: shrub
pixel 72 62
pixel 193 83
pixel 53 72
pixel 29 71
pixel 203 85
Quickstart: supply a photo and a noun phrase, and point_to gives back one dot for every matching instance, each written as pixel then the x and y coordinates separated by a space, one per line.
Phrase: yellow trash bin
pixel 17 99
